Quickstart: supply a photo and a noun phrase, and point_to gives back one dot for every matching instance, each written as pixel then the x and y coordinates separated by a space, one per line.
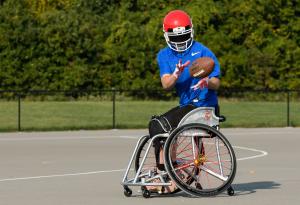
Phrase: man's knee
pixel 169 120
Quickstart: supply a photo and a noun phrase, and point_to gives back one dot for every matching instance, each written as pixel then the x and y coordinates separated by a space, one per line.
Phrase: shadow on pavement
pixel 239 189
pixel 252 187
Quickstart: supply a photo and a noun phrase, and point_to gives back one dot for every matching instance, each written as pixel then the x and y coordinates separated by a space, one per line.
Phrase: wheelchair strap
pixel 164 122
pixel 167 124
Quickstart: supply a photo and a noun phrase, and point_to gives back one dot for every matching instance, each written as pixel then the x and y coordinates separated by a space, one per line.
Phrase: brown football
pixel 202 67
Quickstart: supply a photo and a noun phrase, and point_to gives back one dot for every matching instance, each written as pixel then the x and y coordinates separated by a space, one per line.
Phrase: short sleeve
pixel 163 64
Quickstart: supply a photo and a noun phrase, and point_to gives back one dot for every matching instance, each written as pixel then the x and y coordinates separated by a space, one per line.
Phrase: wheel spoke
pixel 223 178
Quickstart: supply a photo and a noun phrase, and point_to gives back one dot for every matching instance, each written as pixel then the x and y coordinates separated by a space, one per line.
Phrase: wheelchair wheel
pixel 150 164
pixel 200 147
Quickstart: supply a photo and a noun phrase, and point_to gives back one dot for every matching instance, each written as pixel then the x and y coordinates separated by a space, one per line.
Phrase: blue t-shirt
pixel 167 60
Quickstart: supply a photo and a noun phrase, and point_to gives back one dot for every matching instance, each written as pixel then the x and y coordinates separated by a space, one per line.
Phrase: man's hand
pixel 179 68
pixel 203 83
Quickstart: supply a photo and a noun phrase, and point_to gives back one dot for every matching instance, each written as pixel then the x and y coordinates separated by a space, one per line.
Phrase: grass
pixel 74 115
pixel 258 114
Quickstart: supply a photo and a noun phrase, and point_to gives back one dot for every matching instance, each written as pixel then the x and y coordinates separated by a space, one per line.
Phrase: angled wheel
pixel 200 147
pixel 150 164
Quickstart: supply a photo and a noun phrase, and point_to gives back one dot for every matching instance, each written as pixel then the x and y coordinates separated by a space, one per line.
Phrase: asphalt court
pixel 86 167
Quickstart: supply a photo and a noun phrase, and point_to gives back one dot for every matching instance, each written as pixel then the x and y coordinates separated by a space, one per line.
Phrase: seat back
pixel 204 115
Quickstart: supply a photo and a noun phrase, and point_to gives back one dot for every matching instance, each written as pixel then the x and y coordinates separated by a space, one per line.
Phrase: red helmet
pixel 178 30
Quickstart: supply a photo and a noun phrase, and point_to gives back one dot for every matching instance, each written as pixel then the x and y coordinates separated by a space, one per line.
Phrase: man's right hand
pixel 169 80
pixel 179 68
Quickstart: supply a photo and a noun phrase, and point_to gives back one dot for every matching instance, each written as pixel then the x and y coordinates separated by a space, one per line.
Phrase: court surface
pixel 86 167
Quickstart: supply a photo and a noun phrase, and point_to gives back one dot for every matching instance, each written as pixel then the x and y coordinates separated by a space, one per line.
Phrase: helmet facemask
pixel 179 39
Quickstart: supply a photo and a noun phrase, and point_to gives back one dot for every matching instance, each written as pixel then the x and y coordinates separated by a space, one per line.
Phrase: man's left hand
pixel 203 83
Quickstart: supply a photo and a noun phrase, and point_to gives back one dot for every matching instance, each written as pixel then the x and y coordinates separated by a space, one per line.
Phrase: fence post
pixel 19 112
pixel 114 107
pixel 288 108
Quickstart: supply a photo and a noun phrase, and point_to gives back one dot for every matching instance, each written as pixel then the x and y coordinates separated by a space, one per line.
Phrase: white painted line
pixel 129 137
pixel 263 153
pixel 257 133
pixel 57 138
pixel 61 175
pixel 106 136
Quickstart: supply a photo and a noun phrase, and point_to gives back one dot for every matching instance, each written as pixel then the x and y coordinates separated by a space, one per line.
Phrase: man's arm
pixel 214 83
pixel 168 81
pixel 210 83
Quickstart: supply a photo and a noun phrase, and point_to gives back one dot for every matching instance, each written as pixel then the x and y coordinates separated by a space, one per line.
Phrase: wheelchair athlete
pixel 173 62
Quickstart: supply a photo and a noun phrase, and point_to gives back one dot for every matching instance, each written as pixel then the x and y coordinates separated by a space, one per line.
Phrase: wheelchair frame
pixel 203 115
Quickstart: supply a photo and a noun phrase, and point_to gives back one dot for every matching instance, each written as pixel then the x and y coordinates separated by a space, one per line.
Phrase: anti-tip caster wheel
pixel 230 191
pixel 146 193
pixel 127 192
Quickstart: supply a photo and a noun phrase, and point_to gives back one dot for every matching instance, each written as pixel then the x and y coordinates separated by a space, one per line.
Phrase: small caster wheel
pixel 230 191
pixel 127 192
pixel 146 193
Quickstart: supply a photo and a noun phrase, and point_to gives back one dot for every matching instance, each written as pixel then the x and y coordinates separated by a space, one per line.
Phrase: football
pixel 202 67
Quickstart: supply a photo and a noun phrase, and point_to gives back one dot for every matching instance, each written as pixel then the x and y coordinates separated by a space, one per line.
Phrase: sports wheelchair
pixel 197 159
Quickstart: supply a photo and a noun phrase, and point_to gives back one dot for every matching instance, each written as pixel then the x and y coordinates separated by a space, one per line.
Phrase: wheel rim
pixel 205 155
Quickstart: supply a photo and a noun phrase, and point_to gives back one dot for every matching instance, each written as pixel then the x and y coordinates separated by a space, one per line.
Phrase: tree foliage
pixel 95 44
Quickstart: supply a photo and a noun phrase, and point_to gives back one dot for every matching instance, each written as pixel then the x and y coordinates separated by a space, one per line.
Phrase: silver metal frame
pixel 139 179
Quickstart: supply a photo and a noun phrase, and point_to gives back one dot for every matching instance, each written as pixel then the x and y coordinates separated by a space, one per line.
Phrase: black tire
pixel 230 191
pixel 127 192
pixel 142 148
pixel 213 133
pixel 146 194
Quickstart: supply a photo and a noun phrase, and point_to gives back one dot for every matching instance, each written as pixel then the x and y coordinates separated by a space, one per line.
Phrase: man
pixel 173 62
